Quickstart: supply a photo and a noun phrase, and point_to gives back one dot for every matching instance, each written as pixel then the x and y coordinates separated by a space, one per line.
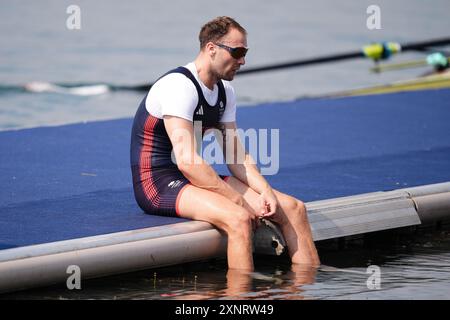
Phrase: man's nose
pixel 241 61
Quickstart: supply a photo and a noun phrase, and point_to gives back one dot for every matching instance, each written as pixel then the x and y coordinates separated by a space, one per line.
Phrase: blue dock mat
pixel 72 181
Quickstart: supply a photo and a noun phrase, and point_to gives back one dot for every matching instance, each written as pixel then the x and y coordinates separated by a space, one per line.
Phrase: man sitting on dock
pixel 189 187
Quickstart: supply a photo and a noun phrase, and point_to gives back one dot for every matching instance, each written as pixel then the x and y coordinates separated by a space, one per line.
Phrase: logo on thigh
pixel 174 184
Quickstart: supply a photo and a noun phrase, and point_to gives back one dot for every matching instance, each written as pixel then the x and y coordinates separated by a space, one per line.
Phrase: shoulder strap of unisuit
pixel 222 93
pixel 190 76
pixel 221 96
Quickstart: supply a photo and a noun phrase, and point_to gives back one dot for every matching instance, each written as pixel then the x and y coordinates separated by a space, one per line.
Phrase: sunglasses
pixel 236 53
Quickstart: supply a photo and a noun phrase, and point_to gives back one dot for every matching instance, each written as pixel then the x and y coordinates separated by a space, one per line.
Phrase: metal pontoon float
pixel 361 164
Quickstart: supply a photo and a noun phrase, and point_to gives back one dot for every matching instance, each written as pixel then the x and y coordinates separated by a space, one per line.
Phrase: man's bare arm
pixel 190 163
pixel 239 161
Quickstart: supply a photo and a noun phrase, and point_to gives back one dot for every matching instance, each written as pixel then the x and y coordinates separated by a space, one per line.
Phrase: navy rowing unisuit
pixel 157 182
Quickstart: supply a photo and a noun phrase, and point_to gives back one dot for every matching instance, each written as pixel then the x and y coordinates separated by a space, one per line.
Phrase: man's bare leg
pixel 238 282
pixel 292 219
pixel 201 204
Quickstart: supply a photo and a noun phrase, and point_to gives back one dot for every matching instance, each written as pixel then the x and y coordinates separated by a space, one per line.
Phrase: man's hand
pixel 268 203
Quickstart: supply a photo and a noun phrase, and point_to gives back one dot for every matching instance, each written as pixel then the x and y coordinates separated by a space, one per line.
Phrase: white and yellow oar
pixel 436 60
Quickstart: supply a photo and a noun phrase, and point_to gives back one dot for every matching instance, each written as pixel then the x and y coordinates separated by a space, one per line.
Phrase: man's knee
pixel 301 208
pixel 300 211
pixel 239 223
pixel 295 208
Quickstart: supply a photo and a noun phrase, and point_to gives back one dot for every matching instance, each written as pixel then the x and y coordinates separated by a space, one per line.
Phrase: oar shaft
pixel 425 44
pixel 414 64
pixel 298 63
pixel 403 65
pixel 343 56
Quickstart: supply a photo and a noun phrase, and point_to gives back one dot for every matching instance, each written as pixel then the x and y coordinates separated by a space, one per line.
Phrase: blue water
pixel 127 43
pixel 412 266
pixel 134 43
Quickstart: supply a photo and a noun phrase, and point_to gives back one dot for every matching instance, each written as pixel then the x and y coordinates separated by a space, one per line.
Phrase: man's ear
pixel 210 49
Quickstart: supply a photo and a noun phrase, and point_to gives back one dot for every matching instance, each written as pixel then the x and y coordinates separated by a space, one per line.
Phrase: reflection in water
pixel 417 267
pixel 300 276
pixel 239 282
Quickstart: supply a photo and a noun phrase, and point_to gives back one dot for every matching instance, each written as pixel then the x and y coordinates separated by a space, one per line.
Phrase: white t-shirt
pixel 176 95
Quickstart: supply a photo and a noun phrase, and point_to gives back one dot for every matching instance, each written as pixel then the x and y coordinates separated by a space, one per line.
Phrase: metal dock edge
pixel 46 264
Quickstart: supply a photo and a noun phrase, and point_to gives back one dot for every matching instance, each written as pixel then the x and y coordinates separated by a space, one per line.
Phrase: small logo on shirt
pixel 174 184
pixel 200 111
pixel 221 109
